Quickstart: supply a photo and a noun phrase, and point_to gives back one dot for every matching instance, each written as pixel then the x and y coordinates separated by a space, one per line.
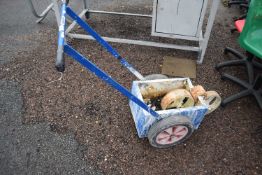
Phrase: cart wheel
pixel 170 131
pixel 155 77
pixel 213 100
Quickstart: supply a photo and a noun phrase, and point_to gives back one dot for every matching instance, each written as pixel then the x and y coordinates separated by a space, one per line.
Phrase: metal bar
pixel 174 36
pixel 43 14
pixel 200 25
pixel 57 12
pixel 120 13
pixel 137 42
pixel 200 36
pixel 102 75
pixel 210 23
pixel 85 4
pixel 153 25
pixel 69 28
pixel 102 42
pixel 60 63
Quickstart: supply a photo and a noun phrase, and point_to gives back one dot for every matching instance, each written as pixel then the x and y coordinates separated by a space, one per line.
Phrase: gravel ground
pixel 227 142
pixel 34 149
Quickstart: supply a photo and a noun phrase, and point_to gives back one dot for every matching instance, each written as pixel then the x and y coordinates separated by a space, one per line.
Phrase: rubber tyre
pixel 155 77
pixel 166 123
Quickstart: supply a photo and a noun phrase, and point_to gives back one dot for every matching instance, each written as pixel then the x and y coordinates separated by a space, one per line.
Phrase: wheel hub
pixel 172 135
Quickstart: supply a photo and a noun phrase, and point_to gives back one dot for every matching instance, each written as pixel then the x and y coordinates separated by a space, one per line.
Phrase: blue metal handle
pixel 60 62
pixel 99 73
pixel 103 43
pixel 63 47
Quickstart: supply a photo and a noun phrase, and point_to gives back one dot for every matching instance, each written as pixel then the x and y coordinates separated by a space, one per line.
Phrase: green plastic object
pixel 251 36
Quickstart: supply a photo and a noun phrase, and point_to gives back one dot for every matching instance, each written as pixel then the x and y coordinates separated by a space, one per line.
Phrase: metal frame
pixel 51 7
pixel 201 37
pixel 63 47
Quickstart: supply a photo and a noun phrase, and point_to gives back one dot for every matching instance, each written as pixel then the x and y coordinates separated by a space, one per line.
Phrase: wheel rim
pixel 171 135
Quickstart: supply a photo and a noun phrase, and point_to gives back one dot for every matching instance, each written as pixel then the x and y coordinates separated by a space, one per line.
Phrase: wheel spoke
pixel 165 132
pixel 172 134
pixel 181 130
pixel 164 140
pixel 174 130
pixel 169 130
pixel 178 136
pixel 162 136
pixel 170 139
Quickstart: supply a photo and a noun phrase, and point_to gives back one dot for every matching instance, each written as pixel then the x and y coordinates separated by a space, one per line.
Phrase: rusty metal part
pixel 197 91
pixel 179 98
pixel 156 89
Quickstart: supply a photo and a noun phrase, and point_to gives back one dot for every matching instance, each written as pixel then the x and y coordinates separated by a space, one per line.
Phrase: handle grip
pixel 60 61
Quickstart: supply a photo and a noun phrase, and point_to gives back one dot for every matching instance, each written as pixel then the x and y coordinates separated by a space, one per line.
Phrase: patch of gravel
pixel 34 149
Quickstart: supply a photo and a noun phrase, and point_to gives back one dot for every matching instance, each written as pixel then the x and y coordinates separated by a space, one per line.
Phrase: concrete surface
pixel 16 23
pixel 29 149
